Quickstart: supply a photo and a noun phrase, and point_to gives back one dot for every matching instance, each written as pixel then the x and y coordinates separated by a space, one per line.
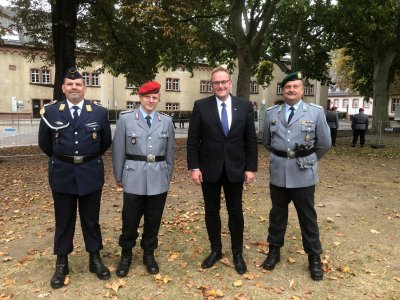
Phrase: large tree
pixel 370 32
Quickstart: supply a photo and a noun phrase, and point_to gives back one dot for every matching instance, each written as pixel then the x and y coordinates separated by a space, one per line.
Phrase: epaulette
pixel 316 105
pixel 272 107
pixel 126 111
pixel 41 112
pixel 97 103
pixel 51 103
pixel 164 114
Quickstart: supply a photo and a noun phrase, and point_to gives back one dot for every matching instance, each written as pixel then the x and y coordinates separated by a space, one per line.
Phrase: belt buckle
pixel 151 158
pixel 291 154
pixel 78 159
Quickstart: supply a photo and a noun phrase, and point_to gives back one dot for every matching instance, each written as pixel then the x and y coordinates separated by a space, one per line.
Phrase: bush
pixel 342 115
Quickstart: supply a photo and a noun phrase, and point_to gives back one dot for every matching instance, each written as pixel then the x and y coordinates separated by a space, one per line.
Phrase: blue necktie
pixel 291 114
pixel 224 119
pixel 148 121
pixel 76 116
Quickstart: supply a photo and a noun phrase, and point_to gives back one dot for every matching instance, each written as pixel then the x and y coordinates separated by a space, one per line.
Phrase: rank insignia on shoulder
pixel 272 107
pixel 164 114
pixel 126 111
pixel 97 103
pixel 62 107
pixel 89 108
pixel 50 103
pixel 316 105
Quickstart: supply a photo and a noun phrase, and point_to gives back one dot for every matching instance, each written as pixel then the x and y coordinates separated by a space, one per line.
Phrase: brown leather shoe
pixel 211 259
pixel 273 257
pixel 315 267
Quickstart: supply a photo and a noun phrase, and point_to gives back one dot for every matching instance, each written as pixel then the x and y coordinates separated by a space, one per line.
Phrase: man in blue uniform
pixel 74 134
pixel 297 135
pixel 143 162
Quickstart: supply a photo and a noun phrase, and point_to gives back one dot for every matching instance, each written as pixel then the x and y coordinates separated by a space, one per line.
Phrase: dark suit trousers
pixel 361 133
pixel 65 206
pixel 303 200
pixel 333 136
pixel 212 201
pixel 135 207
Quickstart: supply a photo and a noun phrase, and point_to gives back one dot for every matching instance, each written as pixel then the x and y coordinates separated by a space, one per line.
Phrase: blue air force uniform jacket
pixel 309 128
pixel 133 136
pixel 90 136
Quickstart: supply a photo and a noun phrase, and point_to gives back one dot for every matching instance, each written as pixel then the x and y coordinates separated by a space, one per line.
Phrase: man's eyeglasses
pixel 217 83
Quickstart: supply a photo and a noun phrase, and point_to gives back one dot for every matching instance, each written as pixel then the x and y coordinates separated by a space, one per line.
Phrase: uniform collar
pixel 145 114
pixel 80 104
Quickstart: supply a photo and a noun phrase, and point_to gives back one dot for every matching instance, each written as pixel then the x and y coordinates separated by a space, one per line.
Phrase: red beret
pixel 151 87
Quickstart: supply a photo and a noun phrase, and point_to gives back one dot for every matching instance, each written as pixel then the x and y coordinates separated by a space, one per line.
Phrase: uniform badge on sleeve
pixel 94 135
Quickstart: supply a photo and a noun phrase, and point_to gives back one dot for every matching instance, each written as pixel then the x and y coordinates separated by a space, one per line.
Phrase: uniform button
pixel 150 146
pixel 76 133
pixel 76 152
pixel 149 137
pixel 288 140
pixel 288 131
pixel 76 142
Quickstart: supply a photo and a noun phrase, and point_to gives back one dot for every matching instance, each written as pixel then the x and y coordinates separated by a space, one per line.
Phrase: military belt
pixel 148 158
pixel 75 159
pixel 293 153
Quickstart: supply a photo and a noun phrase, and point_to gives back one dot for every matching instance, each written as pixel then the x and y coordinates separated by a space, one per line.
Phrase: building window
pixel 172 84
pixel 40 76
pixel 309 90
pixel 345 103
pixel 95 79
pixel 91 79
pixel 129 85
pixel 205 86
pixel 172 106
pixel 365 104
pixel 132 104
pixel 395 102
pixel 86 78
pixel 336 102
pixel 355 103
pixel 279 89
pixel 253 87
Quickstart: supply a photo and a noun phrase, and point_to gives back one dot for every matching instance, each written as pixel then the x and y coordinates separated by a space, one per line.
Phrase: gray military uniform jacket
pixel 333 119
pixel 133 136
pixel 360 122
pixel 308 127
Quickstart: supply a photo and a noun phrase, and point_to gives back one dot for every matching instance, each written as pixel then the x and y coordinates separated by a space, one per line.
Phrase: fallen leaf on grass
pixel 173 256
pixel 115 285
pixel 8 282
pixel 329 220
pixel 238 283
pixel 291 284
pixel 250 276
pixel 161 279
pixel 240 296
pixel 66 280
pixel 226 261
pixel 291 260
pixel 374 231
pixel 397 278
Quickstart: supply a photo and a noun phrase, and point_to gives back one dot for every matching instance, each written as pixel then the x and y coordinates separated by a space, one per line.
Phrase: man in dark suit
pixel 74 134
pixel 222 152
pixel 359 124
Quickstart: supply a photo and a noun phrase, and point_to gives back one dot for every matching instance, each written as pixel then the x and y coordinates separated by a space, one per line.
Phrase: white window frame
pixel 253 87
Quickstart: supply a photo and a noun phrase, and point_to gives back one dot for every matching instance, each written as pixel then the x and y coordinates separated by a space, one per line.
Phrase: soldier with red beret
pixel 143 158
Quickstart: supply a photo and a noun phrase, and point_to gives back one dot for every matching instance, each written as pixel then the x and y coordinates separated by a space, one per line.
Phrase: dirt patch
pixel 358 208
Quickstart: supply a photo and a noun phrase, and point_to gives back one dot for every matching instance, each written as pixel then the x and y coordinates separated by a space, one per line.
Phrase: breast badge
pixel 94 135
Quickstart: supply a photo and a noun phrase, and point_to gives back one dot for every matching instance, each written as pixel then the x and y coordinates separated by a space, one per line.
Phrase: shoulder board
pixel 272 107
pixel 164 114
pixel 51 103
pixel 97 103
pixel 126 111
pixel 316 105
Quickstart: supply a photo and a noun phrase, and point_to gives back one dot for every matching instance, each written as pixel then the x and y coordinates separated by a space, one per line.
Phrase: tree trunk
pixel 382 64
pixel 244 73
pixel 64 16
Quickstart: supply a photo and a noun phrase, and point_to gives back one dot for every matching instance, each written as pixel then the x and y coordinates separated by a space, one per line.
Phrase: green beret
pixel 292 76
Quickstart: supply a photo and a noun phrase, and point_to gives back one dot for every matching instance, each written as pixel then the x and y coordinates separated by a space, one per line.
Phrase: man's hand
pixel 119 184
pixel 197 176
pixel 249 177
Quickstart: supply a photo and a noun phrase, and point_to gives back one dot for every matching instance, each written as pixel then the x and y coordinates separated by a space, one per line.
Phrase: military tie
pixel 224 119
pixel 291 114
pixel 148 118
pixel 76 115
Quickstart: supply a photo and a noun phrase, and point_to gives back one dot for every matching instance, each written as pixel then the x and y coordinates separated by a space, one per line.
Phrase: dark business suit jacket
pixel 209 150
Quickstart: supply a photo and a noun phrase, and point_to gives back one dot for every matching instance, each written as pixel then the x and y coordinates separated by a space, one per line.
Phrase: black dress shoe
pixel 274 256
pixel 150 262
pixel 124 263
pixel 96 266
pixel 62 270
pixel 240 265
pixel 211 259
pixel 315 267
